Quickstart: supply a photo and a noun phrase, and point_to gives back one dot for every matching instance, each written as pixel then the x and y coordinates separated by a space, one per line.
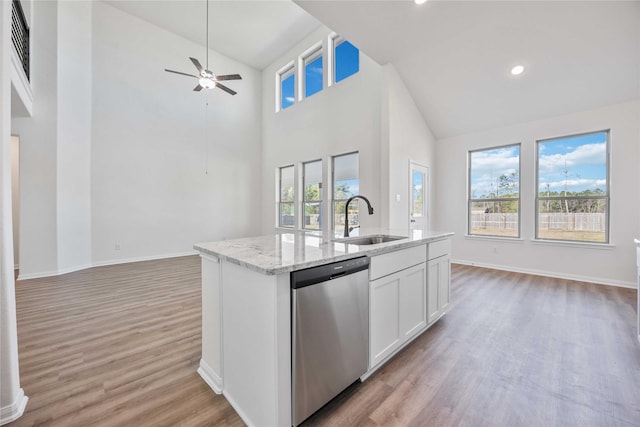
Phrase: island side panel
pixel 257 345
pixel 210 368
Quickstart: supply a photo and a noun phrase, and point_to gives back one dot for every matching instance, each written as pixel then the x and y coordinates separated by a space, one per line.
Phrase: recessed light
pixel 517 70
pixel 420 1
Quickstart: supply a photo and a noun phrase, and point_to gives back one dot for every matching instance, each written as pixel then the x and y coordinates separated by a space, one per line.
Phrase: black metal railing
pixel 20 35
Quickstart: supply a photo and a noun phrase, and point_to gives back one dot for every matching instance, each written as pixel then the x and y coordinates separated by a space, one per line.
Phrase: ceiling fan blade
pixel 184 74
pixel 197 64
pixel 229 77
pixel 197 88
pixel 226 89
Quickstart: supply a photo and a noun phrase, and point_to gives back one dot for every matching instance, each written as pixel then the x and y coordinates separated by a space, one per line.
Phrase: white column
pixel 12 398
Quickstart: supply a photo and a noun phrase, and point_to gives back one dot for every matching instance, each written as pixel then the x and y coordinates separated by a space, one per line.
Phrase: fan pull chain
pixel 206 126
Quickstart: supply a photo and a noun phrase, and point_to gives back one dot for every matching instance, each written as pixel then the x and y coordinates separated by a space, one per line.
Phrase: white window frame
pixel 309 55
pixel 304 201
pixel 282 74
pixel 279 197
pixel 333 41
pixel 606 197
pixel 471 200
pixel 334 201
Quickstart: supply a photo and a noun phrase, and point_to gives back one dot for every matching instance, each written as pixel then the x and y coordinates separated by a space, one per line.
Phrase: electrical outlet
pixel 117 247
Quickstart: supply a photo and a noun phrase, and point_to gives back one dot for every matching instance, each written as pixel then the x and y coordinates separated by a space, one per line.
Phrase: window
pixel 312 64
pixel 286 204
pixel 346 58
pixel 572 201
pixel 312 197
pixel 285 87
pixel 494 191
pixel 345 184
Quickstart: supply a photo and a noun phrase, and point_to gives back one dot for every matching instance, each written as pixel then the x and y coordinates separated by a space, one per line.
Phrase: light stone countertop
pixel 286 251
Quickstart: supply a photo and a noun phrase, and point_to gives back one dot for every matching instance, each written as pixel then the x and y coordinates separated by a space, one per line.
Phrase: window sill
pixel 584 245
pixel 494 238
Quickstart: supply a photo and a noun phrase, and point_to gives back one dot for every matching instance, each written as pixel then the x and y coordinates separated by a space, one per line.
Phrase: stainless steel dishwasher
pixel 329 331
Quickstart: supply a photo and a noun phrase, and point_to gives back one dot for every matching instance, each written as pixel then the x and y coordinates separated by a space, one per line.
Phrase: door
pixel 418 185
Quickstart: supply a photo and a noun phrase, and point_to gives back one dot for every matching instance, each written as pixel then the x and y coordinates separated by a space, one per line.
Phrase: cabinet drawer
pixel 385 264
pixel 439 248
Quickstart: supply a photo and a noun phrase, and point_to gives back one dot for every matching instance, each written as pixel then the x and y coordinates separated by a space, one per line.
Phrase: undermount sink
pixel 369 240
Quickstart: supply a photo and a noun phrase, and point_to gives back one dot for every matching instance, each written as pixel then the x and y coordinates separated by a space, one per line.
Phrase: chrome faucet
pixel 346 212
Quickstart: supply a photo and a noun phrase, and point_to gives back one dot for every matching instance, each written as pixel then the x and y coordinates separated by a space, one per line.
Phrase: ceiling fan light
pixel 207 83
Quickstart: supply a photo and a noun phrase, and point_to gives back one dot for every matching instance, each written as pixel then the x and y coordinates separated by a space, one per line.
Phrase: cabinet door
pixel 438 287
pixel 433 289
pixel 413 300
pixel 384 319
pixel 444 283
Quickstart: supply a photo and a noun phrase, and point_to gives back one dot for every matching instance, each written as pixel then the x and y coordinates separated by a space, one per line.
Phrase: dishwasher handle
pixel 323 273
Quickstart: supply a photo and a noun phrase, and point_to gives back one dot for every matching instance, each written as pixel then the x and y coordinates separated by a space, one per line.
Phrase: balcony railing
pixel 20 35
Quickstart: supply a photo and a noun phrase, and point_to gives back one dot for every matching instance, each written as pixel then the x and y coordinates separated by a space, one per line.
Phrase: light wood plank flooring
pixel 120 345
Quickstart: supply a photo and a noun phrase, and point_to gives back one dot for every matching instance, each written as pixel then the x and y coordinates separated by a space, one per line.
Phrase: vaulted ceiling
pixel 454 56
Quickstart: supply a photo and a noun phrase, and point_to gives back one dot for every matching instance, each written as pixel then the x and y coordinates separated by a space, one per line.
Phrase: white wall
pixel 15 197
pixel 407 137
pixel 73 172
pixel 340 119
pixel 38 150
pixel 613 265
pixel 151 193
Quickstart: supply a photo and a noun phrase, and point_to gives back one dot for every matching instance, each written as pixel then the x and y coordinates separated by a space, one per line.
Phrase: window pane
pixel 573 166
pixel 345 176
pixel 287 193
pixel 494 191
pixel 312 193
pixel 339 216
pixel 347 58
pixel 313 215
pixel 287 218
pixel 495 218
pixel 573 189
pixel 288 91
pixel 417 194
pixel 313 76
pixel 582 220
pixel 495 173
pixel 313 181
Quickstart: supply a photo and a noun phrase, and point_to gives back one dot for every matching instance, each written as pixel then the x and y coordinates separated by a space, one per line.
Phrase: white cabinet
pixel 397 311
pixel 438 284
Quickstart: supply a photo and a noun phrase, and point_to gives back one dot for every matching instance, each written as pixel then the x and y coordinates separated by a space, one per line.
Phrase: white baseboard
pixel 209 376
pixel 238 410
pixel 22 276
pixel 144 258
pixel 15 410
pixel 544 273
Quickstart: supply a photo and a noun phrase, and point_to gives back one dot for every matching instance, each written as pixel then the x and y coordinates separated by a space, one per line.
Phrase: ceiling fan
pixel 206 78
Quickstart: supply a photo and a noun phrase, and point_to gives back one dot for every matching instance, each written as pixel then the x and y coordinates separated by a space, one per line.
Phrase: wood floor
pixel 119 346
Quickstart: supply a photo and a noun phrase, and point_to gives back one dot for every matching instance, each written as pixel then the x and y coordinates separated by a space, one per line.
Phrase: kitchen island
pixel 246 308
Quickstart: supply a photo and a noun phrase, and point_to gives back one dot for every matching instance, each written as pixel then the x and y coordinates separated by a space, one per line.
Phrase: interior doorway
pixel 418 196
pixel 15 198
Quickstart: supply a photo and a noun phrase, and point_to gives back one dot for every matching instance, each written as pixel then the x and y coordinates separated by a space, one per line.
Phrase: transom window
pixel 494 191
pixel 286 86
pixel 312 63
pixel 306 77
pixel 572 201
pixel 346 59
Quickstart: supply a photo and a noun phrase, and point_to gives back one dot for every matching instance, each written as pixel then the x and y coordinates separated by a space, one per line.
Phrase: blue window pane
pixel 313 77
pixel 288 87
pixel 347 60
